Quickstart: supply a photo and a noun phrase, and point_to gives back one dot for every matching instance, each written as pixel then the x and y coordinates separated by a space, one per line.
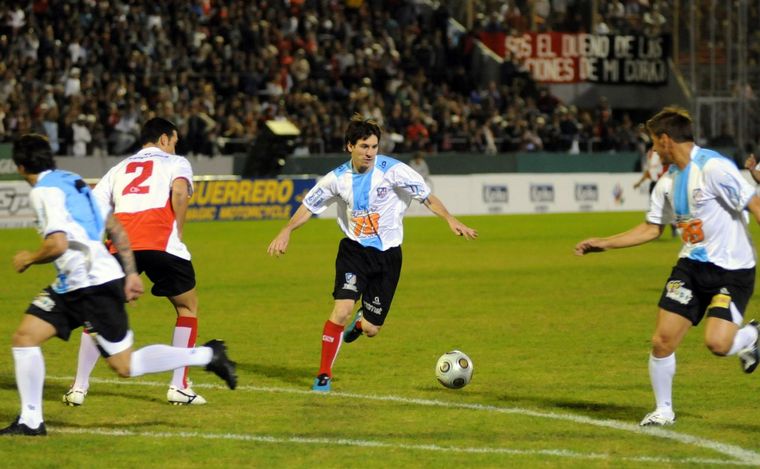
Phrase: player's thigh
pixel 57 310
pixel 186 303
pixel 351 269
pixel 381 287
pixel 32 332
pixel 669 332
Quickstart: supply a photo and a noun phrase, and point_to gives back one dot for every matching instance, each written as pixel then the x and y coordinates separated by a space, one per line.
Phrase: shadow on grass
pixel 54 390
pixel 298 376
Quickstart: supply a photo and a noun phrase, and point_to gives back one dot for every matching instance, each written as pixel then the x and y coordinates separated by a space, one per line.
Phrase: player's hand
pixel 22 260
pixel 750 162
pixel 587 246
pixel 133 287
pixel 279 245
pixel 460 229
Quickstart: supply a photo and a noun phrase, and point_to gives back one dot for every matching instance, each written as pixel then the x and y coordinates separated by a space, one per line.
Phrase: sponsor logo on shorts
pixel 376 301
pixel 44 302
pixel 677 292
pixel 372 308
pixel 350 283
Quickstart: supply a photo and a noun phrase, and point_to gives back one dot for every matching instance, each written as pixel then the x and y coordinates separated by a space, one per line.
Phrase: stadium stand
pixel 87 73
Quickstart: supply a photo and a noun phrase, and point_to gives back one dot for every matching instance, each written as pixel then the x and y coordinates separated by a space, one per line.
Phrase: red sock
pixel 185 334
pixel 332 337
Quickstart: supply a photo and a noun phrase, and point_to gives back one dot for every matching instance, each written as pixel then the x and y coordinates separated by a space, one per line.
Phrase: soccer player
pixel 372 191
pixel 90 289
pixel 149 194
pixel 715 273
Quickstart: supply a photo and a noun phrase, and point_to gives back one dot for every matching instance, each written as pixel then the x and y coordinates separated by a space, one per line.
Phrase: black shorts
pixel 171 275
pixel 100 309
pixel 369 274
pixel 695 288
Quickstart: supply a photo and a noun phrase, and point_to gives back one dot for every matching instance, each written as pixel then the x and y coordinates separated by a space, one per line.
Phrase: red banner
pixel 574 58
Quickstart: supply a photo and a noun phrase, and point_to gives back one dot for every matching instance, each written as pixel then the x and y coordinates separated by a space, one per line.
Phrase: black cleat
pixel 21 429
pixel 221 364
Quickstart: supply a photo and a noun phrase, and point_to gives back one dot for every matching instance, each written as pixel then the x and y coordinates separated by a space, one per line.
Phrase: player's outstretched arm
pixel 435 205
pixel 52 247
pixel 639 234
pixel 751 164
pixel 133 286
pixel 279 244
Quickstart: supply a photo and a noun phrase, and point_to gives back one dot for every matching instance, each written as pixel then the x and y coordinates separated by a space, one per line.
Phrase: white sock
pixel 181 338
pixel 158 358
pixel 30 378
pixel 745 337
pixel 88 356
pixel 661 372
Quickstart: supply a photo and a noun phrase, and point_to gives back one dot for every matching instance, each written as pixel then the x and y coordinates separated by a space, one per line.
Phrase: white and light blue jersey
pixel 64 203
pixel 707 199
pixel 371 205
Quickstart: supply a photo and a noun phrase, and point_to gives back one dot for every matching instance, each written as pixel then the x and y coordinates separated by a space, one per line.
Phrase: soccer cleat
pixel 186 396
pixel 74 397
pixel 322 383
pixel 352 333
pixel 220 363
pixel 659 418
pixel 750 356
pixel 17 428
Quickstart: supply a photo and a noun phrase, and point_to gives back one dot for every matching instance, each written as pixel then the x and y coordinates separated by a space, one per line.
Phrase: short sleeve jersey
pixel 62 204
pixel 707 200
pixel 371 205
pixel 138 189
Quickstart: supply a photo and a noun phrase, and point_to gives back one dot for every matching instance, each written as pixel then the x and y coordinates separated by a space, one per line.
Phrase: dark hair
pixel 155 128
pixel 361 128
pixel 32 151
pixel 673 121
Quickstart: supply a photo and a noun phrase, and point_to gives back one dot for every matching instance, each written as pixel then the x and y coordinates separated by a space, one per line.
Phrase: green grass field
pixel 560 345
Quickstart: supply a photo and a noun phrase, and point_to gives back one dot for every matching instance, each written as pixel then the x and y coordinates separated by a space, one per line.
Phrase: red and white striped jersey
pixel 138 190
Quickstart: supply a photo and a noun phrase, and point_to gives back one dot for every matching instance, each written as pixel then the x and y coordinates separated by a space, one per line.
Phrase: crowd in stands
pixel 87 73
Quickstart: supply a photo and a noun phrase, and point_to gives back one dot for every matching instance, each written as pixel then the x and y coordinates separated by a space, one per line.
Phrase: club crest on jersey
pixel 350 283
pixel 676 291
pixel 382 192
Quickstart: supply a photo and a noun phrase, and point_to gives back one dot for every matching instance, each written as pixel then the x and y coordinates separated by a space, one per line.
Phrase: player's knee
pixel 370 330
pixel 717 347
pixel 121 369
pixel 21 338
pixel 662 345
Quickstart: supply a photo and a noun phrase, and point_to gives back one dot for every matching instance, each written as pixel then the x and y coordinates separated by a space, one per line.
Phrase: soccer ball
pixel 454 369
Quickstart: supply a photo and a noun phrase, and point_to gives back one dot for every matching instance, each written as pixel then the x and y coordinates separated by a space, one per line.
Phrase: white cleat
pixel 750 356
pixel 186 396
pixel 74 397
pixel 659 418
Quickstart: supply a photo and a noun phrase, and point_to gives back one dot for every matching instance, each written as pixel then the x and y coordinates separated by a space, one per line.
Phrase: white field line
pixel 561 453
pixel 742 455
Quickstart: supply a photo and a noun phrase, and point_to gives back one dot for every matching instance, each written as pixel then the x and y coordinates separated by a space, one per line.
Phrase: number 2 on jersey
pixel 134 187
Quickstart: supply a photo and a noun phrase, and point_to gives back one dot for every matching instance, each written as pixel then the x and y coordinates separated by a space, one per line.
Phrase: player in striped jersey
pixel 706 195
pixel 372 192
pixel 149 194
